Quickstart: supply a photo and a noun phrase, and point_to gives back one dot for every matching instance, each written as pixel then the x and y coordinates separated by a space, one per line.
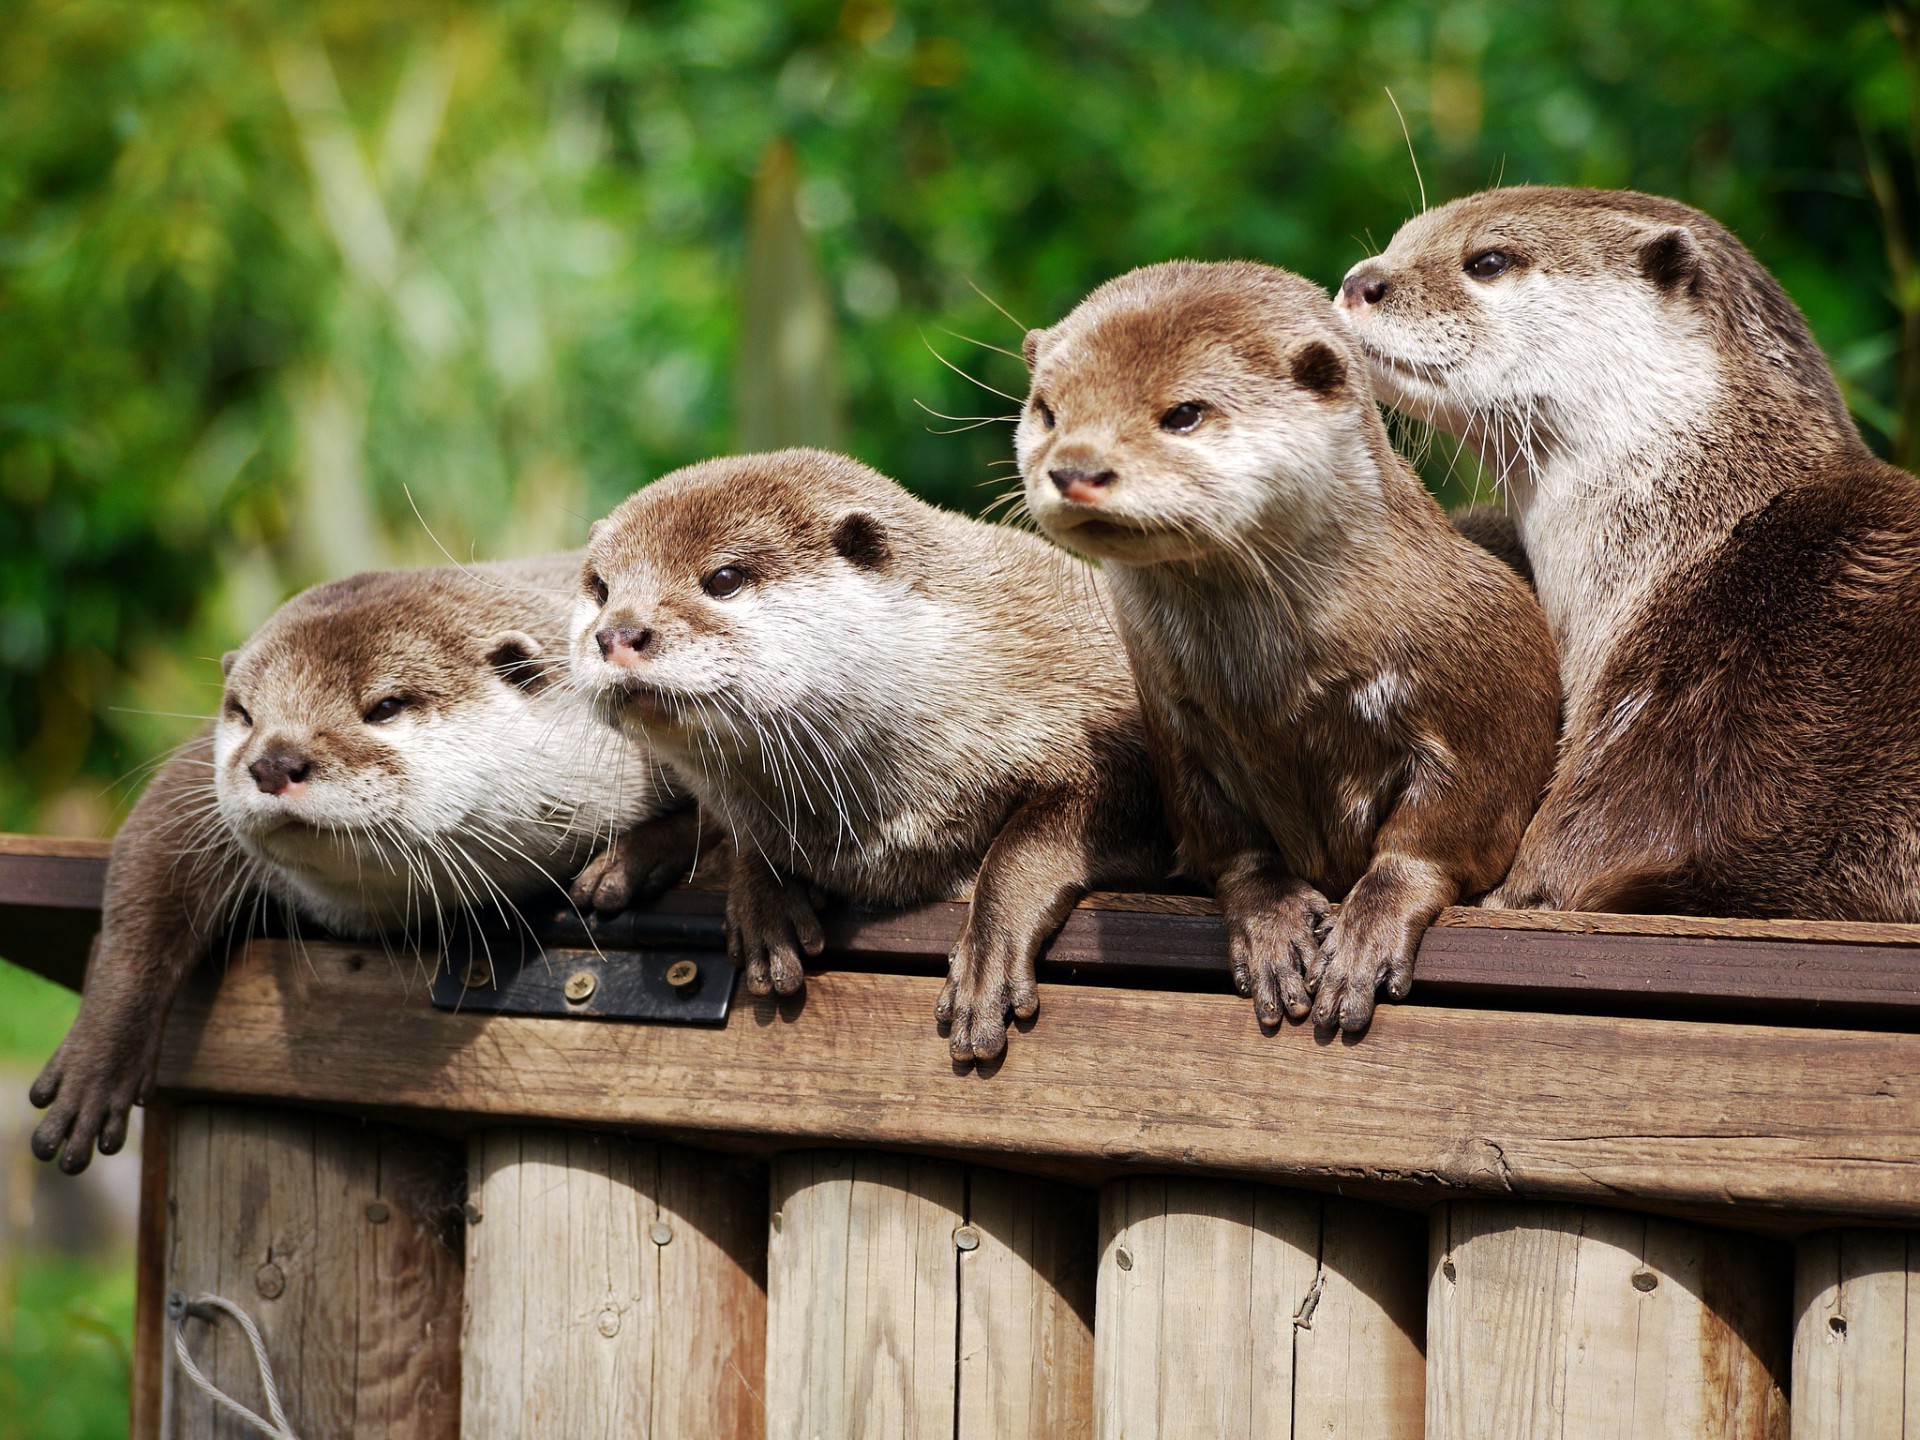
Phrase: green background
pixel 288 290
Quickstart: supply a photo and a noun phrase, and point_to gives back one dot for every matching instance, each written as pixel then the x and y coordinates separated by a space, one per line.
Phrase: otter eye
pixel 1046 411
pixel 1183 418
pixel 386 710
pixel 596 587
pixel 725 583
pixel 239 712
pixel 1489 264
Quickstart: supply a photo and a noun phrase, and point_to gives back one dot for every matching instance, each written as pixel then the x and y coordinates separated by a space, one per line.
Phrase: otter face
pixel 1183 407
pixel 719 599
pixel 355 730
pixel 1565 313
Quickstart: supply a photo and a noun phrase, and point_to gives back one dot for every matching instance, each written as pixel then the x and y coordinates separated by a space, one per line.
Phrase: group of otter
pixel 1687 683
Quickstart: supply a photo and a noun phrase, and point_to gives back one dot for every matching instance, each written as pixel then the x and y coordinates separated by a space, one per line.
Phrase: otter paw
pixel 638 865
pixel 88 1104
pixel 770 931
pixel 1349 970
pixel 1270 946
pixel 986 979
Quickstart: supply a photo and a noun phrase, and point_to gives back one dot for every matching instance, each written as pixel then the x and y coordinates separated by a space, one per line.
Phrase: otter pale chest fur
pixel 880 700
pixel 392 749
pixel 1345 696
pixel 1732 578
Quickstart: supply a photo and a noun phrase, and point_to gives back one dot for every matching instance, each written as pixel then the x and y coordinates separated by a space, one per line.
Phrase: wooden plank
pixel 863 1294
pixel 1223 1312
pixel 615 1289
pixel 152 1339
pixel 1856 1338
pixel 337 1239
pixel 1026 1309
pixel 1720 1119
pixel 1567 1320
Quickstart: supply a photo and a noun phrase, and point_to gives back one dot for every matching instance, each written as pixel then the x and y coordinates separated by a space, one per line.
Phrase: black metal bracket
pixel 680 985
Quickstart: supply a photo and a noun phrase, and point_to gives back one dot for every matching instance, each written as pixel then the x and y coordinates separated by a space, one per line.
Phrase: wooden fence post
pixel 615 1289
pixel 1856 1337
pixel 1566 1320
pixel 340 1240
pixel 1244 1311
pixel 919 1298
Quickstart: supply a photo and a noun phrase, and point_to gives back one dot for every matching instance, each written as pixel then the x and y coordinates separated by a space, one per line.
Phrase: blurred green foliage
pixel 274 276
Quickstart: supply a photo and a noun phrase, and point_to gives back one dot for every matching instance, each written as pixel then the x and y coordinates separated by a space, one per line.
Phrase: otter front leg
pixel 1273 921
pixel 1374 938
pixel 652 857
pixel 772 924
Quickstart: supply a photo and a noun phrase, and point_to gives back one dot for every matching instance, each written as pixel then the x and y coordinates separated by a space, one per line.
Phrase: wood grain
pixel 1550 1321
pixel 616 1290
pixel 1223 1312
pixel 152 1345
pixel 335 1238
pixel 1856 1337
pixel 1724 1119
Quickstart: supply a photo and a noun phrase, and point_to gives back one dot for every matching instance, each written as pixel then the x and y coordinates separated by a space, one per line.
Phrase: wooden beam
pixel 50 903
pixel 1677 1115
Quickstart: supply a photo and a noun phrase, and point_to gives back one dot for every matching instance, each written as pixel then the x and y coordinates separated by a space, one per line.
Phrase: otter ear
pixel 520 660
pixel 1671 260
pixel 1030 347
pixel 1317 366
pixel 227 662
pixel 860 539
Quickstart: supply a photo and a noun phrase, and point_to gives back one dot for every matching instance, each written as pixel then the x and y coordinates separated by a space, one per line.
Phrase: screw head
pixel 377 1212
pixel 271 1281
pixel 660 1232
pixel 1123 1257
pixel 580 986
pixel 609 1322
pixel 471 1212
pixel 1645 1281
pixel 966 1238
pixel 479 974
pixel 682 974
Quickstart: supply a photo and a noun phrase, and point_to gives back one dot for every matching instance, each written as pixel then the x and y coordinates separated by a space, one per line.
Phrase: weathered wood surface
pixel 341 1241
pixel 1829 970
pixel 615 1290
pixel 1241 1311
pixel 1722 1119
pixel 152 1342
pixel 1567 1321
pixel 1856 1338
pixel 919 1298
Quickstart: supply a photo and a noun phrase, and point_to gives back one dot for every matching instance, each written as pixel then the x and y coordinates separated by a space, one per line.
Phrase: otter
pixel 1345 696
pixel 392 749
pixel 879 700
pixel 1732 578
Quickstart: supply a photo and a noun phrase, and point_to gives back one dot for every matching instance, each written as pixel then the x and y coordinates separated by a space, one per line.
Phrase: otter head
pixel 365 720
pixel 1183 408
pixel 721 599
pixel 1536 317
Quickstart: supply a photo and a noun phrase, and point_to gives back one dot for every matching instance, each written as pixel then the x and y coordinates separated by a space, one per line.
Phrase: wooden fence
pixel 1601 1176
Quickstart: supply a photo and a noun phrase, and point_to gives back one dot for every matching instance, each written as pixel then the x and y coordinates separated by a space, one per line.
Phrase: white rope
pixel 205 1307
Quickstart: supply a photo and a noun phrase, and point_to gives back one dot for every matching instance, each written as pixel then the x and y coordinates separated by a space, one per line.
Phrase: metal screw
pixel 1446 1269
pixel 682 974
pixel 580 987
pixel 660 1232
pixel 778 1220
pixel 1123 1257
pixel 1837 1324
pixel 472 1211
pixel 609 1322
pixel 377 1212
pixel 271 1281
pixel 479 974
pixel 1645 1281
pixel 966 1238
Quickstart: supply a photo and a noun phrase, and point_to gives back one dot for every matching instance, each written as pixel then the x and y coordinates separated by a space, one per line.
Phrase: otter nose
pixel 280 771
pixel 1080 485
pixel 1363 287
pixel 622 644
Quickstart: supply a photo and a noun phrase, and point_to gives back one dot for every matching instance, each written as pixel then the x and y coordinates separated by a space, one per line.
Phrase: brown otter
pixel 391 748
pixel 1732 577
pixel 880 700
pixel 1345 696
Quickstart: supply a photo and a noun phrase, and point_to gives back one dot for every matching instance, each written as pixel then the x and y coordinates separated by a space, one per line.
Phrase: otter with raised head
pixel 1345 696
pixel 391 749
pixel 880 700
pixel 1732 578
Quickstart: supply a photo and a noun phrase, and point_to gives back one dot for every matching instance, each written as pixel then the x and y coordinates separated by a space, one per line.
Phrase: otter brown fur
pixel 880 700
pixel 1732 577
pixel 1345 696
pixel 392 749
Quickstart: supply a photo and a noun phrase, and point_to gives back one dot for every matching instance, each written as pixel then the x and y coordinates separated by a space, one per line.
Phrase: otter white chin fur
pixel 880 700
pixel 1345 697
pixel 1731 576
pixel 392 749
